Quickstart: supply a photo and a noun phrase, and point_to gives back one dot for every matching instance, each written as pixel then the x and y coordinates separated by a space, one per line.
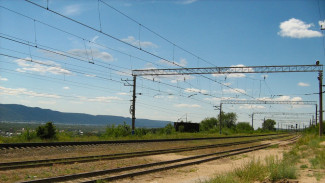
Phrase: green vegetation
pixel 209 127
pixel 269 125
pixel 274 169
pixel 228 125
pixel 46 131
pixel 258 170
pixel 244 128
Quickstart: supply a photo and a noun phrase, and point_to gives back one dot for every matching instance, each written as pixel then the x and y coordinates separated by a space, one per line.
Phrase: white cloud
pixel 179 78
pixel 235 75
pixel 66 88
pixel 182 62
pixel 24 91
pixel 234 90
pixel 195 90
pixel 123 93
pixel 296 28
pixel 303 84
pixel 248 106
pixel 90 75
pixel 143 44
pixel 94 53
pixel 40 67
pixel 281 98
pixel 71 10
pixel 187 105
pixel 3 79
pixel 322 23
pixel 99 99
pixel 187 1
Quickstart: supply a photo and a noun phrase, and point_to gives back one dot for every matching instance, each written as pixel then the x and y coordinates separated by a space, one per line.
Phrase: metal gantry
pixel 267 102
pixel 281 113
pixel 229 70
pixel 243 69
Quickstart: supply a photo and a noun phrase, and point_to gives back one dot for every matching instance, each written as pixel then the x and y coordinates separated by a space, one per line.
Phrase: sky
pixel 78 56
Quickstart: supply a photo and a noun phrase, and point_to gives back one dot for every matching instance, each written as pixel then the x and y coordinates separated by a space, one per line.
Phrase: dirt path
pixel 205 171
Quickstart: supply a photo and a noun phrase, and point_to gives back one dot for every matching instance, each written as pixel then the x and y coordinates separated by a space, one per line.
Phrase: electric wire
pixel 155 33
pixel 129 44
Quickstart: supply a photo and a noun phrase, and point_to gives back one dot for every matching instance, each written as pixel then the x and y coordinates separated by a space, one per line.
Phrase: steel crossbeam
pixel 229 70
pixel 268 102
pixel 284 113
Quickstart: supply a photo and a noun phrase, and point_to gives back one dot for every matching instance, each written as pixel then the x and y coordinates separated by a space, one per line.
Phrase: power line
pixel 59 51
pixel 129 44
pixel 155 33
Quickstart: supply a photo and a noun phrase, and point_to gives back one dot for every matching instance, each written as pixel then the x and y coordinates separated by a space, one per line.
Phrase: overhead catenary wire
pixel 65 54
pixel 96 43
pixel 157 34
pixel 128 44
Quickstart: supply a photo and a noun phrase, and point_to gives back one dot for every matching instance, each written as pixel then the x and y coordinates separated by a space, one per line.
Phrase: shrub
pixel 244 127
pixel 169 129
pixel 208 124
pixel 28 135
pixel 46 131
pixel 118 131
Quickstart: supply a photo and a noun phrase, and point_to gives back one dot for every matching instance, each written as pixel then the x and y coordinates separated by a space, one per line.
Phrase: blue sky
pixel 55 63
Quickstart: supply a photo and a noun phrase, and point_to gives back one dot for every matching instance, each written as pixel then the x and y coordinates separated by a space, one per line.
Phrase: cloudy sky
pixel 78 55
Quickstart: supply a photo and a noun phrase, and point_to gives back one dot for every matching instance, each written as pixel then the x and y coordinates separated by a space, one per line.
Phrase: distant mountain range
pixel 21 113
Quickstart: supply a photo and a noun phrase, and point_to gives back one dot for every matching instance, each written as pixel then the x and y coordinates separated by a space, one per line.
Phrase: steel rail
pixel 102 172
pixel 51 162
pixel 117 170
pixel 49 144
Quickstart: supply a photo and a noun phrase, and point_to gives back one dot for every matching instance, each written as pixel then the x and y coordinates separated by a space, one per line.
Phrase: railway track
pixel 82 143
pixel 51 162
pixel 131 171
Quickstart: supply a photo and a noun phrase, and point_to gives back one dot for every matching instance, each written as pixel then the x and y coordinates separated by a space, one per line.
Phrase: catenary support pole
pixel 133 104
pixel 253 121
pixel 320 78
pixel 316 115
pixel 220 118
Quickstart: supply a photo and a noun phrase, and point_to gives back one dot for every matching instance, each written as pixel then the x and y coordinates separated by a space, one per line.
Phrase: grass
pixel 64 137
pixel 274 169
pixel 303 166
pixel 258 170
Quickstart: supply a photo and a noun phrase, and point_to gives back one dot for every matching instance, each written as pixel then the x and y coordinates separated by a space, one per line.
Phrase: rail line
pixel 117 173
pixel 56 144
pixel 51 162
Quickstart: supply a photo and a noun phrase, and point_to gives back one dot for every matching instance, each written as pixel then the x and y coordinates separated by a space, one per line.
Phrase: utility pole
pixel 253 120
pixel 316 115
pixel 132 107
pixel 220 118
pixel 133 103
pixel 320 78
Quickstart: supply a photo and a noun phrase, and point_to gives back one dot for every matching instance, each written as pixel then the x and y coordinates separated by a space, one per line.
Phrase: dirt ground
pixel 204 171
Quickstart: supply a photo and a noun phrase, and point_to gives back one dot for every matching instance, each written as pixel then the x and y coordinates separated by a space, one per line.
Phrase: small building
pixel 186 127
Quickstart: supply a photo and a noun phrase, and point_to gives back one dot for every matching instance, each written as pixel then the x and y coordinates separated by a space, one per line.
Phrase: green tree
pixel 228 119
pixel 208 123
pixel 46 131
pixel 169 129
pixel 269 125
pixel 244 127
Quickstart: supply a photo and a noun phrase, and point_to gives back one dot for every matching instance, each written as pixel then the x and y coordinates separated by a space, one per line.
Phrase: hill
pixel 21 113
